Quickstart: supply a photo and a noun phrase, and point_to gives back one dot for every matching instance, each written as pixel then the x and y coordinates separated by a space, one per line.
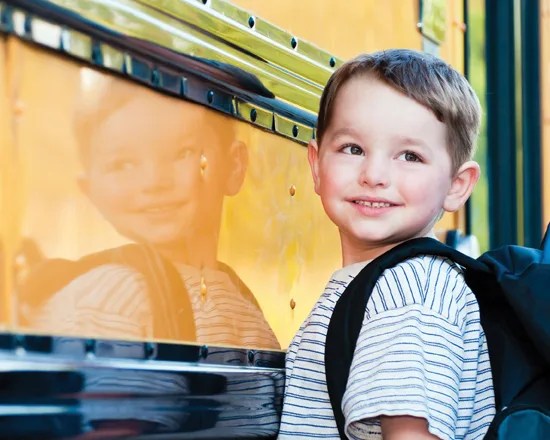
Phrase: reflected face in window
pixel 158 168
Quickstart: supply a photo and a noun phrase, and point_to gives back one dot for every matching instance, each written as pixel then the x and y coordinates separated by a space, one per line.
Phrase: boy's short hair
pixel 426 79
pixel 101 95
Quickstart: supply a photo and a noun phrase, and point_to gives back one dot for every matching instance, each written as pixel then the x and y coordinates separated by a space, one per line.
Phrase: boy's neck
pixel 201 257
pixel 364 252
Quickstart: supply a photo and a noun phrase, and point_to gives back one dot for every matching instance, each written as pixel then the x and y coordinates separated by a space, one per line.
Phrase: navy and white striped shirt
pixel 421 352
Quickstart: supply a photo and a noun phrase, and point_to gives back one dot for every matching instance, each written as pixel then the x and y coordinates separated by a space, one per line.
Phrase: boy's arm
pixel 405 428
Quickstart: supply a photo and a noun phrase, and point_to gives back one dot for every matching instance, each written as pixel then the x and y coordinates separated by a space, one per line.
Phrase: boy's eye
pixel 354 150
pixel 184 153
pixel 120 165
pixel 409 156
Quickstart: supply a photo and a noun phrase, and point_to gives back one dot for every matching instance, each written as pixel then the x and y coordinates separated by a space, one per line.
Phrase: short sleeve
pixel 108 301
pixel 409 357
pixel 411 365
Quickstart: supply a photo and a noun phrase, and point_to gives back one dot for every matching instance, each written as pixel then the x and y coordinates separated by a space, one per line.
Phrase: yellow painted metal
pixel 6 145
pixel 276 242
pixel 344 28
pixel 545 101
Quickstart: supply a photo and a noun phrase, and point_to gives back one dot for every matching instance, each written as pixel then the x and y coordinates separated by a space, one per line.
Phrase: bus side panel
pixel 8 188
pixel 347 28
pixel 106 163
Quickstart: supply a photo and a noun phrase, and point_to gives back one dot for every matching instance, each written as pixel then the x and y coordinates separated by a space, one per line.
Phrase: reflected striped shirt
pixel 113 301
pixel 421 352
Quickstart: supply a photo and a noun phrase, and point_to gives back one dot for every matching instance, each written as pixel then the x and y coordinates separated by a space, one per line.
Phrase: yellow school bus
pixel 160 238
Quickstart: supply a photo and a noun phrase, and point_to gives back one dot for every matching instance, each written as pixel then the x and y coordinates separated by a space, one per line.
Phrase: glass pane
pixel 145 216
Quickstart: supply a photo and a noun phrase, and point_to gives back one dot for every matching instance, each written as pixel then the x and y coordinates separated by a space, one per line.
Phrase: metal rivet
pixel 183 86
pixel 203 162
pixel 292 304
pixel 27 25
pixel 332 62
pixel 19 345
pixel 460 25
pixel 203 352
pixel 251 21
pixel 295 131
pixel 97 56
pixel 293 42
pixel 5 18
pixel 251 356
pixel 19 340
pixel 210 96
pixel 89 346
pixel 292 190
pixel 149 350
pixel 204 290
pixel 18 107
pixel 155 77
pixel 253 115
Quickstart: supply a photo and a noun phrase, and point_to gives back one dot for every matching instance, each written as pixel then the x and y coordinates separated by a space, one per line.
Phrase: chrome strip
pixel 109 33
pixel 35 362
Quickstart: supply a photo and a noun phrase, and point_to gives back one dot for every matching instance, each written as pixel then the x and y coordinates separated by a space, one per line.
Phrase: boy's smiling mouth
pixel 373 204
pixel 161 208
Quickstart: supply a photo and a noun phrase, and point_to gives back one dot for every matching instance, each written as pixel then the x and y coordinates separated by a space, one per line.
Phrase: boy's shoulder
pixel 432 282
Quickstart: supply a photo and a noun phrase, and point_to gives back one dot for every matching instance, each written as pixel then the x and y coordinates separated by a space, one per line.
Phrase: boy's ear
pixel 238 164
pixel 462 186
pixel 313 158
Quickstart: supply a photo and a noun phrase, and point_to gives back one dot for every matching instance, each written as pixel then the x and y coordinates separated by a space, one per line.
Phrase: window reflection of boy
pixel 158 171
pixel 157 168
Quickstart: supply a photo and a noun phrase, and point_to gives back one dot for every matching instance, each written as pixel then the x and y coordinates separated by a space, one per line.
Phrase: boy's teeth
pixel 159 209
pixel 373 204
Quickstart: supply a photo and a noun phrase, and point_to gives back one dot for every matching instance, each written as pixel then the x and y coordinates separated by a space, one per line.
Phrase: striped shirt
pixel 112 301
pixel 421 352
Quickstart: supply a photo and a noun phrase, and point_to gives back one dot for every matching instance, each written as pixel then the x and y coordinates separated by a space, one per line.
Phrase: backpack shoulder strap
pixel 169 298
pixel 243 288
pixel 348 314
pixel 165 286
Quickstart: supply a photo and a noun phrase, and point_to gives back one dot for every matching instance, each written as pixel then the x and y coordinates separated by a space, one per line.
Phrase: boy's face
pixel 383 171
pixel 143 170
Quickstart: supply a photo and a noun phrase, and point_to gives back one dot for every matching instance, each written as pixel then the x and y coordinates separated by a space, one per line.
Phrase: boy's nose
pixel 157 177
pixel 374 173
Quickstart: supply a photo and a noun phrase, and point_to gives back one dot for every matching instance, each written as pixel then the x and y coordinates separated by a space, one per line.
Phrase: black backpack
pixel 512 287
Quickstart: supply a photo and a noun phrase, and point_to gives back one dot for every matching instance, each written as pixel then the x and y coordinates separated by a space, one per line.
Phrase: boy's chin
pixel 164 239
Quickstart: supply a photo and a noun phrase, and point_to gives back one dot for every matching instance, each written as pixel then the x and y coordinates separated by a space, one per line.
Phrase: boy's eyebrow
pixel 342 132
pixel 409 140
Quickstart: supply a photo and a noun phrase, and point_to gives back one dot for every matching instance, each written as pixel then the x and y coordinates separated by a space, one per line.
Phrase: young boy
pixel 395 137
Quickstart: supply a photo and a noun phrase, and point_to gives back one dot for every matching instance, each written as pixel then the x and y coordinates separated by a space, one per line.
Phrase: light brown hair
pixel 426 79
